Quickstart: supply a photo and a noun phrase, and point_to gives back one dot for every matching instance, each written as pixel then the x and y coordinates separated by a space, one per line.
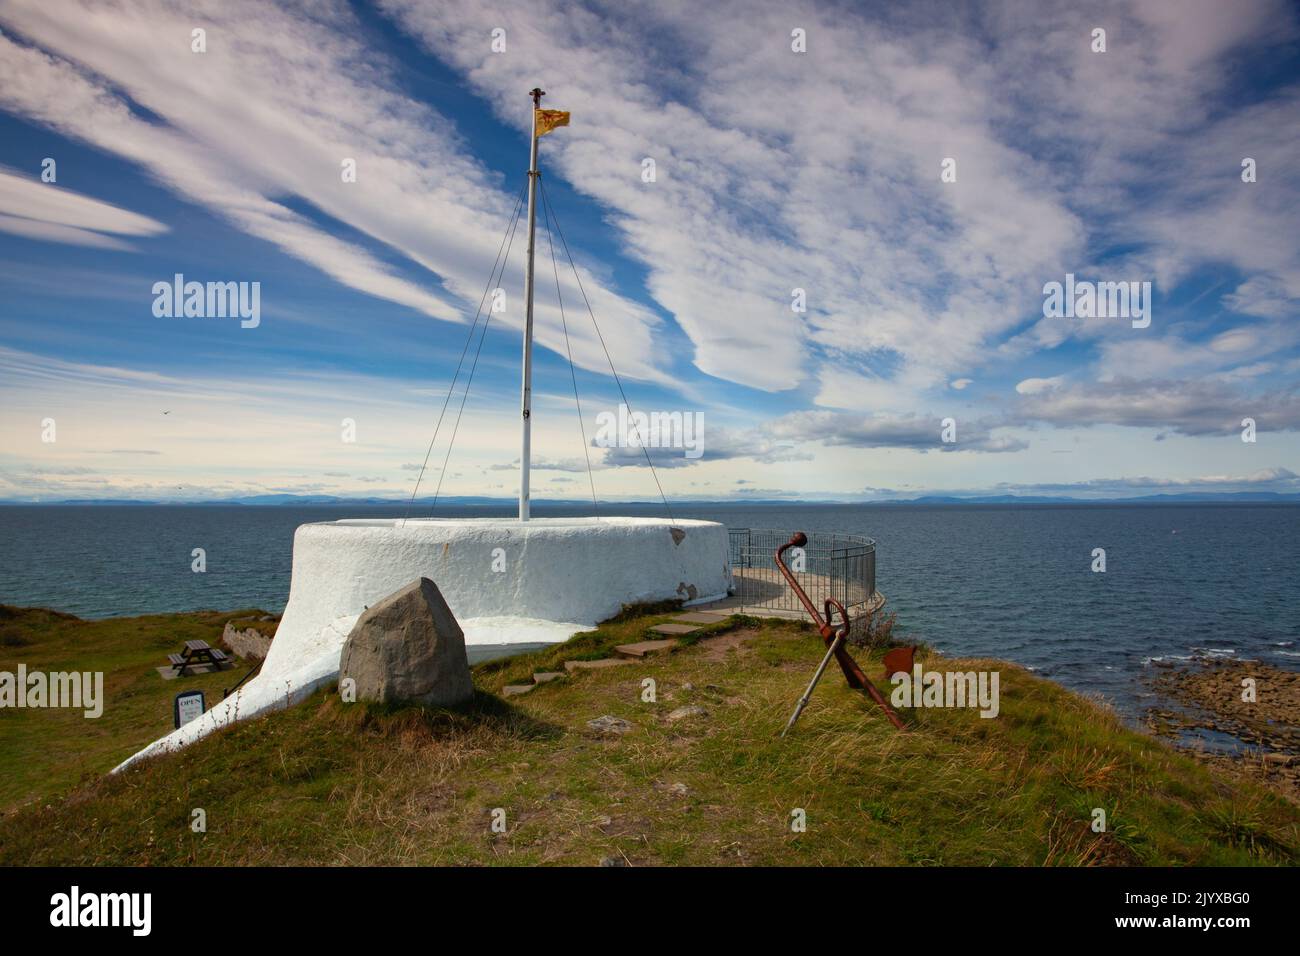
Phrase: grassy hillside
pixel 43 752
pixel 328 782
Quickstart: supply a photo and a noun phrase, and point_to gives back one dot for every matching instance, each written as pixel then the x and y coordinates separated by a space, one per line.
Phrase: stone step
pixel 701 617
pixel 572 666
pixel 643 648
pixel 545 677
pixel 675 628
pixel 514 690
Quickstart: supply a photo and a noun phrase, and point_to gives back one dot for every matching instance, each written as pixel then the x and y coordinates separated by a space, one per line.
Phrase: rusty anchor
pixel 834 638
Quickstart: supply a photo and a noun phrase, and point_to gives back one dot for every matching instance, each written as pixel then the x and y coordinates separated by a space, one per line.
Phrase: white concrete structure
pixel 507 582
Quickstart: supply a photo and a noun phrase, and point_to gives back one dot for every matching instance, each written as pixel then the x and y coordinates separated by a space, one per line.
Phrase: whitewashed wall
pixel 561 575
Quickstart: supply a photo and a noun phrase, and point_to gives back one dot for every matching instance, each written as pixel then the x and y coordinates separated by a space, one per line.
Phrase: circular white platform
pixel 568 572
pixel 507 582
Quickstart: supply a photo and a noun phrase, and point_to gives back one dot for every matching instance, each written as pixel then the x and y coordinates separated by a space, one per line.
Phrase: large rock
pixel 408 648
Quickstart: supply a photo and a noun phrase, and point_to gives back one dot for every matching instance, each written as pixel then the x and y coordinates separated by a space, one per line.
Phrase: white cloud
pixel 715 445
pixel 240 432
pixel 1264 296
pixel 41 210
pixel 775 171
pixel 270 111
pixel 1034 386
pixel 1200 407
pixel 916 432
pixel 828 179
pixel 779 171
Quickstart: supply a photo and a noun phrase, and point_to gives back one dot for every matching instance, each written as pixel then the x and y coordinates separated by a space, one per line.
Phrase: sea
pixel 1182 581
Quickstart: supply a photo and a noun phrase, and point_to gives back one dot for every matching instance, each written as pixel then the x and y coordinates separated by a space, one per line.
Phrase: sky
pixel 826 233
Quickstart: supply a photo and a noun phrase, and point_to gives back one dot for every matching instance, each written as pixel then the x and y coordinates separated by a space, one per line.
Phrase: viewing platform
pixel 830 565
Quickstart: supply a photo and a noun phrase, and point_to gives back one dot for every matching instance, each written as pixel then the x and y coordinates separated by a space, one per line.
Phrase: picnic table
pixel 198 652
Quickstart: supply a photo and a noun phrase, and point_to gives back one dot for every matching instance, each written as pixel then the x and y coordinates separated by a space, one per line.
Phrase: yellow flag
pixel 548 120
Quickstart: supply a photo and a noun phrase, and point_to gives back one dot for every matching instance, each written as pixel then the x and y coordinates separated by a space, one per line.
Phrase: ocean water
pixel 1006 581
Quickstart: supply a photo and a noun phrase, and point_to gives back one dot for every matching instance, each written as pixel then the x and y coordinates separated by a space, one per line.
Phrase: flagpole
pixel 526 447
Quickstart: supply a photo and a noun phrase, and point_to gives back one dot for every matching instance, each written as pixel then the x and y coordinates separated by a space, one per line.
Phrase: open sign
pixel 188 706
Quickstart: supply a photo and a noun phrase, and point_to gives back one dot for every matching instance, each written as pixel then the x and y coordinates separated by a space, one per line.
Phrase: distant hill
pixel 1241 497
pixel 1235 496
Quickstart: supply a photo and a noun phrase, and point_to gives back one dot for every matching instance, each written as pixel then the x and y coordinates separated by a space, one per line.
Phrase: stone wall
pixel 248 644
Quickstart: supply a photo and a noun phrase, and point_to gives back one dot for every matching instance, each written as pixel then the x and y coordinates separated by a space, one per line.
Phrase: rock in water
pixel 408 648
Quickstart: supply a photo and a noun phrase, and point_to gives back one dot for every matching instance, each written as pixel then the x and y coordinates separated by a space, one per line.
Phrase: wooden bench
pixel 198 652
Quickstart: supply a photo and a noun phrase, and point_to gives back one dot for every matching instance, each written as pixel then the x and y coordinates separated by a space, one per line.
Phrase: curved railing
pixel 841 567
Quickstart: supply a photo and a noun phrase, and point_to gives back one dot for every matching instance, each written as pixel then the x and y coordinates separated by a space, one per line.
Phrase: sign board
pixel 188 705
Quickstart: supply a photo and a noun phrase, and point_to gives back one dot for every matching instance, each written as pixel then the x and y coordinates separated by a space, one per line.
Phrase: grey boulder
pixel 408 648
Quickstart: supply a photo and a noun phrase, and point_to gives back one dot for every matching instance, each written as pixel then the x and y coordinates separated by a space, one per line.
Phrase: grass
pixel 327 782
pixel 43 752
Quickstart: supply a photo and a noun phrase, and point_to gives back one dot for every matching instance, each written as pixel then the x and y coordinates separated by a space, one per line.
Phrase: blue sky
pixel 775 169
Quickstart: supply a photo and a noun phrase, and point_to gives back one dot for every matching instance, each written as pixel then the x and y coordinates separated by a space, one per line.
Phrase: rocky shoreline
pixel 1255 704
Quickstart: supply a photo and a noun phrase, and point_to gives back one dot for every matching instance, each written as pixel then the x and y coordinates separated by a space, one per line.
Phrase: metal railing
pixel 830 565
pixel 251 671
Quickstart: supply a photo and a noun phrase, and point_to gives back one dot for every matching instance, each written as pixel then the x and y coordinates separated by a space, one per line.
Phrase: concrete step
pixel 545 677
pixel 514 690
pixel 701 617
pixel 727 605
pixel 643 648
pixel 572 666
pixel 675 628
